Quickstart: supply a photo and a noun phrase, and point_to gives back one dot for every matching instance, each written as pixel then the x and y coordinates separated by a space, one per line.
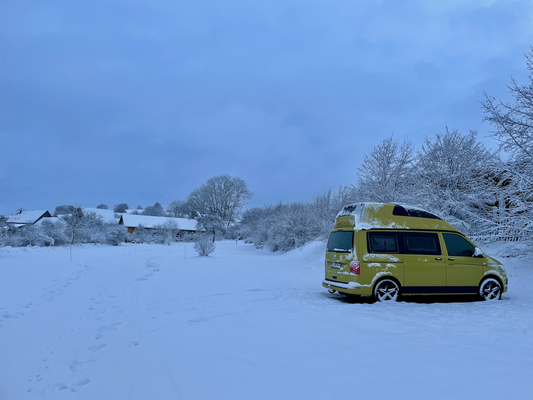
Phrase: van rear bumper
pixel 350 287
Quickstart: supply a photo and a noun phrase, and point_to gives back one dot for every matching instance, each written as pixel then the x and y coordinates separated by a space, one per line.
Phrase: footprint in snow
pixel 96 348
pixel 79 384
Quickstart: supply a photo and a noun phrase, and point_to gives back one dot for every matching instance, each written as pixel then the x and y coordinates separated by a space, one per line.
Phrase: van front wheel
pixel 386 290
pixel 490 289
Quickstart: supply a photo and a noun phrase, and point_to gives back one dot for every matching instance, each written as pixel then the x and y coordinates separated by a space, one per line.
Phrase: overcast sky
pixel 138 101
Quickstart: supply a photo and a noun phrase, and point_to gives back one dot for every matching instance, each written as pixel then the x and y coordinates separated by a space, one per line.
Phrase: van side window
pixel 382 243
pixel 457 245
pixel 422 243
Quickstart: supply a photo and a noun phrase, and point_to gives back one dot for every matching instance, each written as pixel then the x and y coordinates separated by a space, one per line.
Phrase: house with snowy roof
pixel 131 222
pixel 23 217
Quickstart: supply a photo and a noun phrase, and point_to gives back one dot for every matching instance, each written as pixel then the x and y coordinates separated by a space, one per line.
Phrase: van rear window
pixel 340 242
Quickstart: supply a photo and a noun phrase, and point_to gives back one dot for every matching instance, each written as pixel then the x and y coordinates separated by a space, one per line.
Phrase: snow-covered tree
pixel 102 206
pixel 179 209
pixel 64 209
pixel 325 207
pixel 172 229
pixel 156 210
pixel 212 224
pixel 120 208
pixel 385 171
pixel 513 122
pixel 73 224
pixel 452 175
pixel 220 195
pixel 513 128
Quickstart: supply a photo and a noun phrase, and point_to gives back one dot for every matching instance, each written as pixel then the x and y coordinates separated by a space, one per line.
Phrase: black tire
pixel 490 289
pixel 386 290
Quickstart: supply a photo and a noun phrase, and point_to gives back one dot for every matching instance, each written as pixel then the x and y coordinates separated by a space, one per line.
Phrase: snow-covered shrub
pixel 282 227
pixel 204 245
pixel 325 207
pixel 159 234
pixel 29 235
pixel 54 229
pixel 115 234
pixel 186 236
pixel 142 235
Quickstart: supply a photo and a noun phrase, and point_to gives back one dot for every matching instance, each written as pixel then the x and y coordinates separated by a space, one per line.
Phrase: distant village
pixel 131 219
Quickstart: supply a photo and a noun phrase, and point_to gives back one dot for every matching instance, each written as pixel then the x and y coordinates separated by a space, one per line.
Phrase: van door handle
pixel 438 258
pixel 451 259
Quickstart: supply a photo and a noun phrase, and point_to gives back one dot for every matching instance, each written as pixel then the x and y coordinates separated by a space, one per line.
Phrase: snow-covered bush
pixel 204 245
pixel 29 235
pixel 55 229
pixel 115 234
pixel 286 226
pixel 142 235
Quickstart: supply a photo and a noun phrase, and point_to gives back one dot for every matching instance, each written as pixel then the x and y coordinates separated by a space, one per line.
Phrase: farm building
pixel 131 222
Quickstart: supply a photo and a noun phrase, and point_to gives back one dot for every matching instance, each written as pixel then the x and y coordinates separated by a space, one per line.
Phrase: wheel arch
pixel 493 276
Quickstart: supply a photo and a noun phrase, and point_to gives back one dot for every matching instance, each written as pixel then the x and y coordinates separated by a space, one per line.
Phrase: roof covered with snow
pixel 27 217
pixel 389 216
pixel 107 215
pixel 152 222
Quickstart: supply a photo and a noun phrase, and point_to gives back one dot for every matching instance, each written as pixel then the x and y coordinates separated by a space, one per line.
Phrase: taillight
pixel 354 268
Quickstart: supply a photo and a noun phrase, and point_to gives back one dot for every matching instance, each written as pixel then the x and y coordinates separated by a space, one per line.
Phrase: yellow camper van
pixel 391 250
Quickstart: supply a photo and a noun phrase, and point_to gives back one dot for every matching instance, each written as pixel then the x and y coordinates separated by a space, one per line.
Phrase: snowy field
pixel 145 322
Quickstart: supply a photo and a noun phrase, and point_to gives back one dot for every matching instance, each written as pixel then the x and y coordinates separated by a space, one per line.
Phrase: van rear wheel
pixel 386 290
pixel 490 289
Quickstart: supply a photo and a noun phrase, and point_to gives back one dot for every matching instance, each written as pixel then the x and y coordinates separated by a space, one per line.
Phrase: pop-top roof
pixel 364 216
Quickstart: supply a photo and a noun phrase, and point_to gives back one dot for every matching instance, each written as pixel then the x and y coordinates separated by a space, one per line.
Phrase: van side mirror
pixel 478 253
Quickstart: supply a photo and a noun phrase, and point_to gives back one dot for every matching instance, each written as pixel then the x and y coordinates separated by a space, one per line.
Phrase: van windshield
pixel 340 242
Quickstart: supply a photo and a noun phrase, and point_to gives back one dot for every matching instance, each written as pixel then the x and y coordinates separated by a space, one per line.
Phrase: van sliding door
pixel 424 265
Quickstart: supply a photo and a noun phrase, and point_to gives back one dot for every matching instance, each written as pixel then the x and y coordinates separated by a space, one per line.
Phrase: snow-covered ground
pixel 146 322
